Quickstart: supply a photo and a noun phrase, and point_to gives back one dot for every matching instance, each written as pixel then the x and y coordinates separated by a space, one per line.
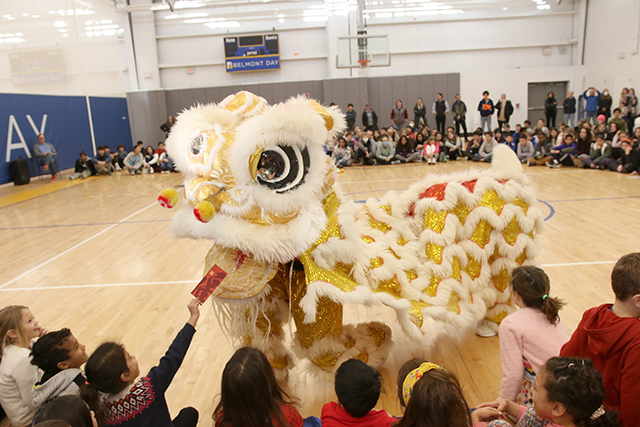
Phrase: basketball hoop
pixel 363 63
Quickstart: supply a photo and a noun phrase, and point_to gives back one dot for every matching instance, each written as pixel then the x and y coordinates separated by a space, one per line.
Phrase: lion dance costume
pixel 260 186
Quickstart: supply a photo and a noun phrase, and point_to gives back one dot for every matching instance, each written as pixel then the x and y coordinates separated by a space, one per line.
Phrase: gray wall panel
pixel 279 93
pixel 148 110
pixel 266 91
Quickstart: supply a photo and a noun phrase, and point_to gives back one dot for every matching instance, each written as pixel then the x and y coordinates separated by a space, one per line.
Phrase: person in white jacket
pixel 18 327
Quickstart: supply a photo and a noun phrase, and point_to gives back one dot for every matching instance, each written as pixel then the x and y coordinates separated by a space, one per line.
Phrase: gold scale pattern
pixel 435 220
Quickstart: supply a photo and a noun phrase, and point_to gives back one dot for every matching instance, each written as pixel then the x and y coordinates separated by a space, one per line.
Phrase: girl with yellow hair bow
pixel 433 397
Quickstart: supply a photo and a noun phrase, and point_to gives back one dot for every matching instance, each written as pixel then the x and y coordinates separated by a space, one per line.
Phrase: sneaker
pixel 118 168
pixel 45 168
pixel 485 331
pixel 395 162
pixel 577 162
pixel 70 178
pixel 131 172
pixel 53 178
pixel 151 170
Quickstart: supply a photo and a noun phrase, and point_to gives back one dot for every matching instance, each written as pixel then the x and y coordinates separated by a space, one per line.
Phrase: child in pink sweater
pixel 529 336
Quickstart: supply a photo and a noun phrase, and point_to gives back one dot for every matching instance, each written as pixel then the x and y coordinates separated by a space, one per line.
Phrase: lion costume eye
pixel 196 144
pixel 283 168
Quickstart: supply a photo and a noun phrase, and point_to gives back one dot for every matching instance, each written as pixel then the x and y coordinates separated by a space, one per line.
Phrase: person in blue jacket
pixel 486 109
pixel 592 96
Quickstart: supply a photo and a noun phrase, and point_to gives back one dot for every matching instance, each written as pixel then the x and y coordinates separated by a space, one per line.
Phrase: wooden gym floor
pixel 97 256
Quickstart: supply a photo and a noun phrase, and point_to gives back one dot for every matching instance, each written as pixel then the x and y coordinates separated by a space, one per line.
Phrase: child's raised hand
pixel 486 414
pixel 194 310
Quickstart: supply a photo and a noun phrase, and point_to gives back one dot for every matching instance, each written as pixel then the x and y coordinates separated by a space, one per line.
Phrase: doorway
pixel 537 94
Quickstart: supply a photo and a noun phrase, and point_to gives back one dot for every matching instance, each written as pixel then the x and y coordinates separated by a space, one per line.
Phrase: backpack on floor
pixel 19 171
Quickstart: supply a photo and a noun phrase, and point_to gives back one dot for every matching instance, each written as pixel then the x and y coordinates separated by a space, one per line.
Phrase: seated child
pixel 486 149
pixel 358 387
pixel 70 408
pixel 531 335
pixel 250 395
pixel 433 397
pixel 84 167
pixel 598 152
pixel 453 144
pixel 405 152
pixel 18 328
pixel 341 154
pixel 430 150
pixel 112 389
pixel 473 146
pixel 59 355
pixel 525 149
pixel 568 392
pixel 103 161
pixel 542 148
pixel 385 152
pixel 610 336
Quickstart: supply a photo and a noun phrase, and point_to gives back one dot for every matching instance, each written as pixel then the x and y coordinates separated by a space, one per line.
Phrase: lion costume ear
pixel 244 104
pixel 333 118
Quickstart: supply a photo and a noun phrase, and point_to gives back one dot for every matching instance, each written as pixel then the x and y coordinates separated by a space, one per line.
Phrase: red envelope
pixel 209 283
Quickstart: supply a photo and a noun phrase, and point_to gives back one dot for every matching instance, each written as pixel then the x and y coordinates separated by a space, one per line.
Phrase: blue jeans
pixel 50 160
pixel 591 115
pixel 166 166
pixel 570 120
pixel 485 121
pixel 343 162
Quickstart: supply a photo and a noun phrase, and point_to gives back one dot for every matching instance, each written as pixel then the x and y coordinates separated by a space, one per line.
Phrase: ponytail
pixel 92 398
pixel 550 308
pixel 533 286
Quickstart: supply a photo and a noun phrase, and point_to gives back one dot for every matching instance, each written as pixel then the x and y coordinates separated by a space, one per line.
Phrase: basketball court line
pixel 29 227
pixel 194 281
pixel 50 260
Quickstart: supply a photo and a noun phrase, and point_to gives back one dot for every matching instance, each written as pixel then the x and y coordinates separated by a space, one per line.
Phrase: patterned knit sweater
pixel 144 403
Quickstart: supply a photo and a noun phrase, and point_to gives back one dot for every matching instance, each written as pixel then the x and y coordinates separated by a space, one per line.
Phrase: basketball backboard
pixel 363 50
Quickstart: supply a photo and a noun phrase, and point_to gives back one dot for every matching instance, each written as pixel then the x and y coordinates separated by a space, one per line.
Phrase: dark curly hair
pixel 577 385
pixel 47 352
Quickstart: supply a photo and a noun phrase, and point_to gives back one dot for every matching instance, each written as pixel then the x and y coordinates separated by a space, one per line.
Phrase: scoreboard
pixel 252 53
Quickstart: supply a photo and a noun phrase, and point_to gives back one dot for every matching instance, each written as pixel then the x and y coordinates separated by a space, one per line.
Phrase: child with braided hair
pixel 531 335
pixel 568 392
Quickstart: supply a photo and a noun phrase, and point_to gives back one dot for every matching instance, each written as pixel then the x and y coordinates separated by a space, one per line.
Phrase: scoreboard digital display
pixel 252 53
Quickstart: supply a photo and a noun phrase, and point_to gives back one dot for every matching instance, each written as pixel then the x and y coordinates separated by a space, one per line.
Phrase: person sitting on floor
pixel 486 149
pixel 405 152
pixel 84 167
pixel 599 151
pixel 357 387
pixel 342 154
pixel 134 162
pixel 103 162
pixel 60 356
pixel 385 152
pixel 525 149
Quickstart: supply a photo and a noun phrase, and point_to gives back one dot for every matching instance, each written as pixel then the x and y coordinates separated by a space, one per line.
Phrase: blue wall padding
pixel 66 127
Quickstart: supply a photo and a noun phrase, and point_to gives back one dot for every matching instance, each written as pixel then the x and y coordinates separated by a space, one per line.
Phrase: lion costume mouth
pixel 246 277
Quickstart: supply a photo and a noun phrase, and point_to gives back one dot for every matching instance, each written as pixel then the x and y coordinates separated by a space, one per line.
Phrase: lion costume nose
pixel 204 211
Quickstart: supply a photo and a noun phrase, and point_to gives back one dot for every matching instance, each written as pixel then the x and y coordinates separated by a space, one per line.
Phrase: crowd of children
pixel 589 380
pixel 606 139
pixel 138 160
